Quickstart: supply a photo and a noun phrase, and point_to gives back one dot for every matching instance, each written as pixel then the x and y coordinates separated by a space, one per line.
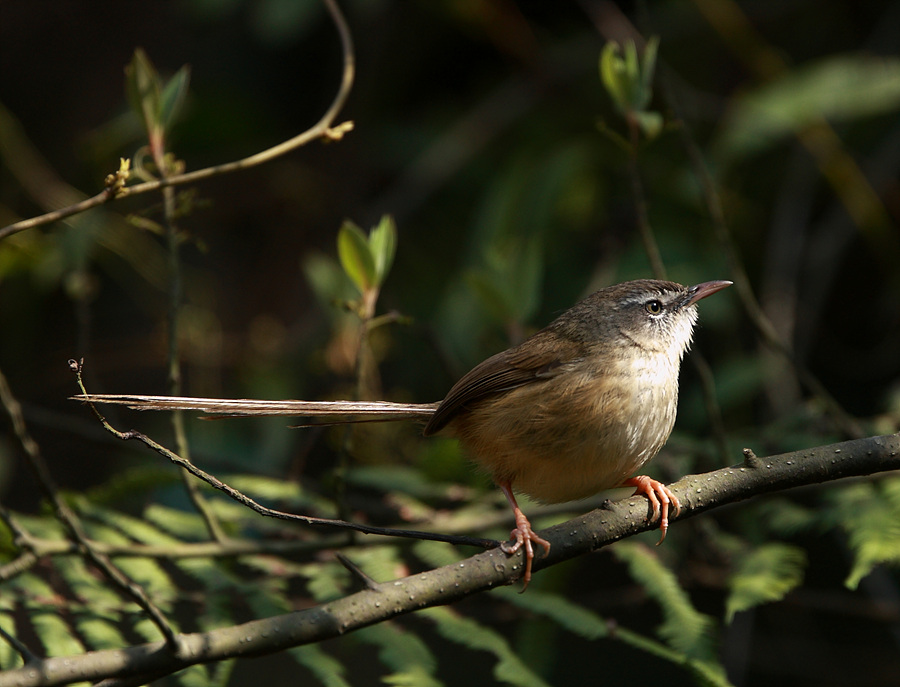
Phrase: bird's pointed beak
pixel 707 288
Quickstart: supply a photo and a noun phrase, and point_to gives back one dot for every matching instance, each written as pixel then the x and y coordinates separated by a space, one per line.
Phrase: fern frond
pixel 572 617
pixel 684 628
pixel 870 515
pixel 412 662
pixel 469 633
pixel 328 670
pixel 766 573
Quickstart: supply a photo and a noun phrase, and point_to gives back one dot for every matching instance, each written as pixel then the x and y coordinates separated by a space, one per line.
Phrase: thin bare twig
pixel 73 524
pixel 271 512
pixel 21 649
pixel 325 128
pixel 651 247
pixel 173 246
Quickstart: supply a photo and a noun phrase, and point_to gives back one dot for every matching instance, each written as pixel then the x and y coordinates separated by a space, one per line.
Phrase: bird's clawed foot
pixel 521 535
pixel 660 497
pixel 524 535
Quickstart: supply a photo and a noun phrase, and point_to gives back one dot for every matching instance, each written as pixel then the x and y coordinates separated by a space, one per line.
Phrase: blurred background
pixel 483 128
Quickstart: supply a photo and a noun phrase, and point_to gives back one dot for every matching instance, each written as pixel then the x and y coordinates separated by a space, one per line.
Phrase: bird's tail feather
pixel 336 411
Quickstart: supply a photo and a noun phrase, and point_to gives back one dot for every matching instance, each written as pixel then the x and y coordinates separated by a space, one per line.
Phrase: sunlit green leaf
pixel 684 627
pixel 628 76
pixel 9 657
pixel 383 245
pixel 100 633
pixel 58 638
pixel 612 73
pixel 837 89
pixel 356 256
pixel 871 520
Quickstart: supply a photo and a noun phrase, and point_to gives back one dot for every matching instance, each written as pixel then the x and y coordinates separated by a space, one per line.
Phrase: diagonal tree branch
pixel 479 573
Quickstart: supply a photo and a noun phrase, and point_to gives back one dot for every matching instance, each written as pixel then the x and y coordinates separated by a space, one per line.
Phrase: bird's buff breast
pixel 572 436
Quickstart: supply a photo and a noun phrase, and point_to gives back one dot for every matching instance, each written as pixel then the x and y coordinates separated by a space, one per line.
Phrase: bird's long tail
pixel 330 411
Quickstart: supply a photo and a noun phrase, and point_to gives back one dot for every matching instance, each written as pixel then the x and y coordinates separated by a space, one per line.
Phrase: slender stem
pixel 651 247
pixel 73 524
pixel 271 512
pixel 174 360
pixel 324 128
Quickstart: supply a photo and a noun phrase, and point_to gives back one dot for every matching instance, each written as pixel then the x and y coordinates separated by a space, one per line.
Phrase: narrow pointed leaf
pixel 383 245
pixel 356 256
pixel 611 73
pixel 142 88
pixel 173 97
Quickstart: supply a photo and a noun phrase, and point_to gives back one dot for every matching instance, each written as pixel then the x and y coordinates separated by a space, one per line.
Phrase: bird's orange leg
pixel 660 496
pixel 522 535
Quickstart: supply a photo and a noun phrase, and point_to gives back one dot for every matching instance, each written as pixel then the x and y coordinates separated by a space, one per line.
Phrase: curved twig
pixel 324 128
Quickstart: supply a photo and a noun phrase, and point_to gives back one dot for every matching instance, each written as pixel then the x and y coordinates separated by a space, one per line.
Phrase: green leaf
pixel 469 633
pixel 838 89
pixel 628 78
pixel 329 282
pixel 260 487
pixel 156 105
pixel 410 659
pixel 870 516
pixel 611 69
pixel 684 628
pixel 399 478
pixel 764 574
pixel 383 246
pixel 651 49
pixel 786 517
pixel 490 295
pixel 142 87
pixel 327 669
pixel 100 633
pixel 83 585
pixel 9 658
pixel 574 618
pixel 356 256
pixel 651 123
pixel 508 287
pixel 55 634
pixel 173 97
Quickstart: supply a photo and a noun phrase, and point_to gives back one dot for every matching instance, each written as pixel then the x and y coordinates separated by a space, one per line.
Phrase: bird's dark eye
pixel 653 307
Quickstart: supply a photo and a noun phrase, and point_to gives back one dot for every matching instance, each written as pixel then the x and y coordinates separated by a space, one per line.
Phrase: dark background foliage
pixel 476 127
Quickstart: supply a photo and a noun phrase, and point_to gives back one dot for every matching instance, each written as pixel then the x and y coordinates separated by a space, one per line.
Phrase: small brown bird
pixel 574 409
pixel 582 404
